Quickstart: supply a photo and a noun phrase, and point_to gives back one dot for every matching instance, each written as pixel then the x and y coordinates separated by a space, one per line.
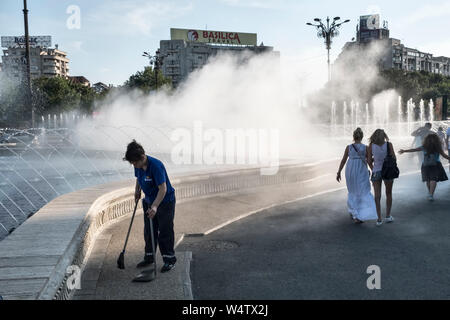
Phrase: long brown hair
pixel 379 137
pixel 432 144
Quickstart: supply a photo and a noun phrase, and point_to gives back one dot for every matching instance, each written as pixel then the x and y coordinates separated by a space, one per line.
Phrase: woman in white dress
pixel 360 202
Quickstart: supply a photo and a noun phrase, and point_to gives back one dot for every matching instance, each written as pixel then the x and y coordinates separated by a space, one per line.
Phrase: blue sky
pixel 113 34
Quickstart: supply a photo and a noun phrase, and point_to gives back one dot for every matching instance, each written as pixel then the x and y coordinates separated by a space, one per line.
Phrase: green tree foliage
pixel 58 95
pixel 88 98
pixel 416 85
pixel 49 96
pixel 146 80
pixel 55 95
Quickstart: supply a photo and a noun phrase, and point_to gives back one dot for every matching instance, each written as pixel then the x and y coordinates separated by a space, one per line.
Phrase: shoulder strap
pixel 363 160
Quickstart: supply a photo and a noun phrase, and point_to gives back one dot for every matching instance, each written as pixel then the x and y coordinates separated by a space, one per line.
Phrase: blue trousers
pixel 164 235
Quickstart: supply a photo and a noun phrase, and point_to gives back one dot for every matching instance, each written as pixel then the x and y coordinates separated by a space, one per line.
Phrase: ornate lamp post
pixel 328 32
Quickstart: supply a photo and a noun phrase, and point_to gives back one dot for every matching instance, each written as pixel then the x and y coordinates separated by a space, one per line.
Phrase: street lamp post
pixel 27 57
pixel 156 62
pixel 328 32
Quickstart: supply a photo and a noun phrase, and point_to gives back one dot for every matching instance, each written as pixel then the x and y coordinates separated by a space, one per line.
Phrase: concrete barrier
pixel 34 260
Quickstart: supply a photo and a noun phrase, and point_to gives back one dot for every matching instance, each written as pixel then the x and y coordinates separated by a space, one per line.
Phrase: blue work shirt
pixel 150 179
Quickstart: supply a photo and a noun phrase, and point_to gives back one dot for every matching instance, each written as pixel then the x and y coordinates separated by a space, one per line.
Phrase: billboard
pixel 35 41
pixel 370 22
pixel 216 37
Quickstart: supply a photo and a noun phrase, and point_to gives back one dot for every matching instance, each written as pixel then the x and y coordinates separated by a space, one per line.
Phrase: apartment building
pixel 394 54
pixel 189 50
pixel 44 61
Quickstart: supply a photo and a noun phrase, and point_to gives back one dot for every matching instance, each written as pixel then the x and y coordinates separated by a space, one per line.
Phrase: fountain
pixel 352 113
pixel 333 116
pixel 36 170
pixel 37 165
pixel 345 117
pixel 54 161
pixel 367 114
pixel 422 112
pixel 383 113
pixel 431 110
pixel 357 114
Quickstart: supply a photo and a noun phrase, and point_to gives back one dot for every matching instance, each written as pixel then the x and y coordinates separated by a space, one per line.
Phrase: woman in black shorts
pixel 432 169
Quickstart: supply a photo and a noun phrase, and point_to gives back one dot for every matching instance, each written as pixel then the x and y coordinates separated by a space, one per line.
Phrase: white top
pixel 379 153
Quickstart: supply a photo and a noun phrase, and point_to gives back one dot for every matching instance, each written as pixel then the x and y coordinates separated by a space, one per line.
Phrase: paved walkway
pixel 193 218
pixel 310 249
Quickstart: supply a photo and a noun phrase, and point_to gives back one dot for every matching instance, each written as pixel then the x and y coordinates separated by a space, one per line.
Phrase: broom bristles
pixel 121 261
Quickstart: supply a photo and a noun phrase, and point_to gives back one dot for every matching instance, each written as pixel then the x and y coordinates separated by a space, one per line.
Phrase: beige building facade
pixel 48 62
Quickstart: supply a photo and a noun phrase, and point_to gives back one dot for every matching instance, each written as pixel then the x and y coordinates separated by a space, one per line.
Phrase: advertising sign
pixel 35 41
pixel 216 37
pixel 370 22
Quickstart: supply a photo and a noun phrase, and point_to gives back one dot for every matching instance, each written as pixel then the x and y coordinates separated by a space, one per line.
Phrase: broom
pixel 121 259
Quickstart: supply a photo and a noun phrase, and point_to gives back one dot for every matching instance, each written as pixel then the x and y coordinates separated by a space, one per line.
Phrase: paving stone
pixel 21 286
pixel 91 274
pixel 9 273
pixel 28 261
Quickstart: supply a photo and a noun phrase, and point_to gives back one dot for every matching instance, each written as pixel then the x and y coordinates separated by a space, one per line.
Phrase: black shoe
pixel 167 267
pixel 144 263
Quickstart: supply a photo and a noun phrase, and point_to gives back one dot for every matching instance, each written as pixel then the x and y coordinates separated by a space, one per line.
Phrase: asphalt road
pixel 310 249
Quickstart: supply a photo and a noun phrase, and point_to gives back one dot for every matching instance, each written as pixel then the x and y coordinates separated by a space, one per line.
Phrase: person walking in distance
pixel 432 169
pixel 377 151
pixel 158 204
pixel 441 135
pixel 420 134
pixel 360 202
pixel 447 138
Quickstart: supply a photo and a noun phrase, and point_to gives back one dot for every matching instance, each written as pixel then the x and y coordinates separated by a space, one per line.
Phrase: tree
pixel 87 97
pixel 56 94
pixel 145 80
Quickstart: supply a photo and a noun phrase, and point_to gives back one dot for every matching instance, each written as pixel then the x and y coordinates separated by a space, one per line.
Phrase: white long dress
pixel 360 202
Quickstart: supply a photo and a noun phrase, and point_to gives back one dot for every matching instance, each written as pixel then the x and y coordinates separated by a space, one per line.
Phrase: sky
pixel 108 42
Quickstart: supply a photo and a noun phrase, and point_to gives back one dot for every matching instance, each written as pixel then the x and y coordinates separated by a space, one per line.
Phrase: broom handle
pixel 153 245
pixel 131 223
